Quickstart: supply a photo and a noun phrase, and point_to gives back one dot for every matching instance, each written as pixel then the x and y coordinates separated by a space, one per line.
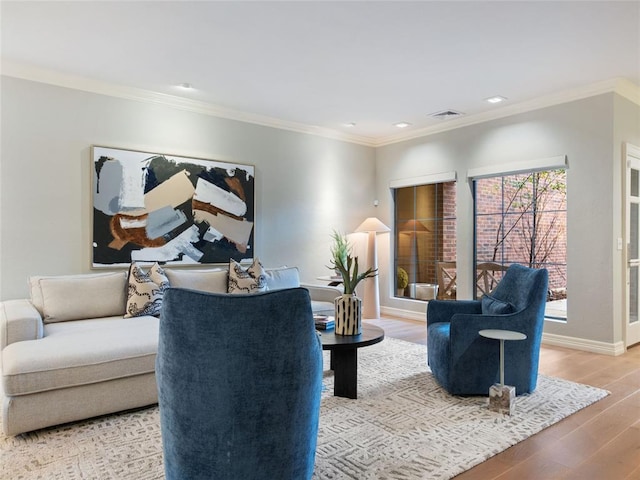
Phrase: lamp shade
pixel 412 226
pixel 372 224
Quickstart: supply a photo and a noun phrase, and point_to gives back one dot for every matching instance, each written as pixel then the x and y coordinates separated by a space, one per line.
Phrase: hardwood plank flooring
pixel 600 442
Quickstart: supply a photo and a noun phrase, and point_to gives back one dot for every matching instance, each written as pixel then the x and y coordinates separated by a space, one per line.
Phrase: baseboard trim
pixel 401 313
pixel 604 348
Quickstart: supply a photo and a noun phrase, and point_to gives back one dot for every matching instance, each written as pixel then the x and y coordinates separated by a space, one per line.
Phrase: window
pixel 522 219
pixel 425 235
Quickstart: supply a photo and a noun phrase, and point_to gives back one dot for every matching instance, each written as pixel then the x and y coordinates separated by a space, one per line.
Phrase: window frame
pixel 415 182
pixel 505 170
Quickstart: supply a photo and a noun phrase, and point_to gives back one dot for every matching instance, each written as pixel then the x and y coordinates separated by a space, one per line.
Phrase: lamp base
pixel 371 300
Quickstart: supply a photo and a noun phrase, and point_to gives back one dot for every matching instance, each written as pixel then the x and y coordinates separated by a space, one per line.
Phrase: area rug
pixel 402 426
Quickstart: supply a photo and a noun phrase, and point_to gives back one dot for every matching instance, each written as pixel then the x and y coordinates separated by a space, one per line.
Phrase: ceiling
pixel 320 64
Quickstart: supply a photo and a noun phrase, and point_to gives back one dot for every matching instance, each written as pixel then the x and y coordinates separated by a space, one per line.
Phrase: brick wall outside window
pixel 523 219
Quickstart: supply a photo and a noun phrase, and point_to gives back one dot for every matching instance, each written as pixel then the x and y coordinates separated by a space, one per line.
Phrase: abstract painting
pixel 153 207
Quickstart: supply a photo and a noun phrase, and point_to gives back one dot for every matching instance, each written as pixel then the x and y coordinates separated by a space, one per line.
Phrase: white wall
pixel 583 131
pixel 305 185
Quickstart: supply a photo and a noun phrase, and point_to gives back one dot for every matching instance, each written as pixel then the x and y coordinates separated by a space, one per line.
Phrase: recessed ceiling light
pixel 185 86
pixel 401 124
pixel 496 99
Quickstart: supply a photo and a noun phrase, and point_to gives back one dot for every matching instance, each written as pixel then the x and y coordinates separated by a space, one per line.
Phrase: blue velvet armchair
pixel 465 363
pixel 239 383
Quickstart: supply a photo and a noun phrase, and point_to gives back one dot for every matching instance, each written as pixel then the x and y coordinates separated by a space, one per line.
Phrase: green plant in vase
pixel 340 250
pixel 348 307
pixel 347 265
pixel 402 280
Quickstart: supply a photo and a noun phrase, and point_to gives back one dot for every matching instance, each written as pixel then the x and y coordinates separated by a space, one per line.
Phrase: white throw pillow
pixel 250 280
pixel 145 291
pixel 214 281
pixel 35 291
pixel 83 296
pixel 282 277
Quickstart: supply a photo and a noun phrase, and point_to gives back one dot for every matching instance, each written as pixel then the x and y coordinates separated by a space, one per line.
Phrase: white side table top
pixel 502 334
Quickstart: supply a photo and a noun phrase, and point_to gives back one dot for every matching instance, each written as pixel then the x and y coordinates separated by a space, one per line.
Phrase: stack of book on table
pixel 323 322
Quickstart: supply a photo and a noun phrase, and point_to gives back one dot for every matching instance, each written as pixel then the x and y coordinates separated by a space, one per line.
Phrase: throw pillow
pixel 145 291
pixel 251 280
pixel 36 294
pixel 210 280
pixel 283 277
pixel 79 297
pixel 493 306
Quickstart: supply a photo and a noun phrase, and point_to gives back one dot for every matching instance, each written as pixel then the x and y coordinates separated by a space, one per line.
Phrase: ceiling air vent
pixel 446 114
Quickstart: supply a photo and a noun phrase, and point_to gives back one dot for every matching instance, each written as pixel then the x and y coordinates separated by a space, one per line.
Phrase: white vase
pixel 348 315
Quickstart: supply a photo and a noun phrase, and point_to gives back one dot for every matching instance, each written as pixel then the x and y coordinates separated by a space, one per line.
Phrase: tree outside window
pixel 522 219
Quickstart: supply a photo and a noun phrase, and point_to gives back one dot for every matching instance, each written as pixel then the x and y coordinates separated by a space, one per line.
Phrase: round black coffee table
pixel 344 357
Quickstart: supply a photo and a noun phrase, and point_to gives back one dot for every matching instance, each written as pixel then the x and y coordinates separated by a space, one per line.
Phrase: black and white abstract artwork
pixel 153 207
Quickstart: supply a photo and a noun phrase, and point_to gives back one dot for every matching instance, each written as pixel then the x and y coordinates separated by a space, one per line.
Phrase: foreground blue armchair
pixel 239 383
pixel 465 363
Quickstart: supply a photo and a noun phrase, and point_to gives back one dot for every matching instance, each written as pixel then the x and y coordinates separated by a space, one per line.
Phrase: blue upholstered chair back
pixel 465 363
pixel 523 287
pixel 239 383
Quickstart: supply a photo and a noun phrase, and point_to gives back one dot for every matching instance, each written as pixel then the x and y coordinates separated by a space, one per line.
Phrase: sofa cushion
pixel 283 277
pixel 249 280
pixel 76 297
pixel 35 292
pixel 79 353
pixel 210 280
pixel 145 290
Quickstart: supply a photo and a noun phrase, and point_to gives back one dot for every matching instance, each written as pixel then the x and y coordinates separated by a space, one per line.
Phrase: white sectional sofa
pixel 68 353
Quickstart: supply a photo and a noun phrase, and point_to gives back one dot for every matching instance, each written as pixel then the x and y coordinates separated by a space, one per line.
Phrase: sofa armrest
pixel 322 293
pixel 19 320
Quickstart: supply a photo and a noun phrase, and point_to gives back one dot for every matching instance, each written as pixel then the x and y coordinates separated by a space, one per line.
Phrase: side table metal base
pixel 502 398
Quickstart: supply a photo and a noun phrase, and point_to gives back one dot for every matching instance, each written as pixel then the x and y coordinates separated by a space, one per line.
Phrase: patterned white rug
pixel 402 426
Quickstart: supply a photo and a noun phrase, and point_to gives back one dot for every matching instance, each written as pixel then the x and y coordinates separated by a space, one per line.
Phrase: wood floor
pixel 600 442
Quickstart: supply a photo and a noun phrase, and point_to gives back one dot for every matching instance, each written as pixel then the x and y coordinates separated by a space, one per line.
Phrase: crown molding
pixel 621 86
pixel 41 75
pixel 628 90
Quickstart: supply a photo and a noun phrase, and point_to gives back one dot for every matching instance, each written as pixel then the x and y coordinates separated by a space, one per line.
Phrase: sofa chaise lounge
pixel 68 353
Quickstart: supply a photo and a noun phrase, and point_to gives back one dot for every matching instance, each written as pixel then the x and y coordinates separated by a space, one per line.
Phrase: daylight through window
pixel 523 219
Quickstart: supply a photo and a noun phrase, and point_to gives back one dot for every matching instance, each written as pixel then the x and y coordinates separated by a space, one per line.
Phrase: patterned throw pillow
pixel 145 291
pixel 251 280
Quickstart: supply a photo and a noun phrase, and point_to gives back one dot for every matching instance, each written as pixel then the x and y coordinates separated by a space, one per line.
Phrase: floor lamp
pixel 371 300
